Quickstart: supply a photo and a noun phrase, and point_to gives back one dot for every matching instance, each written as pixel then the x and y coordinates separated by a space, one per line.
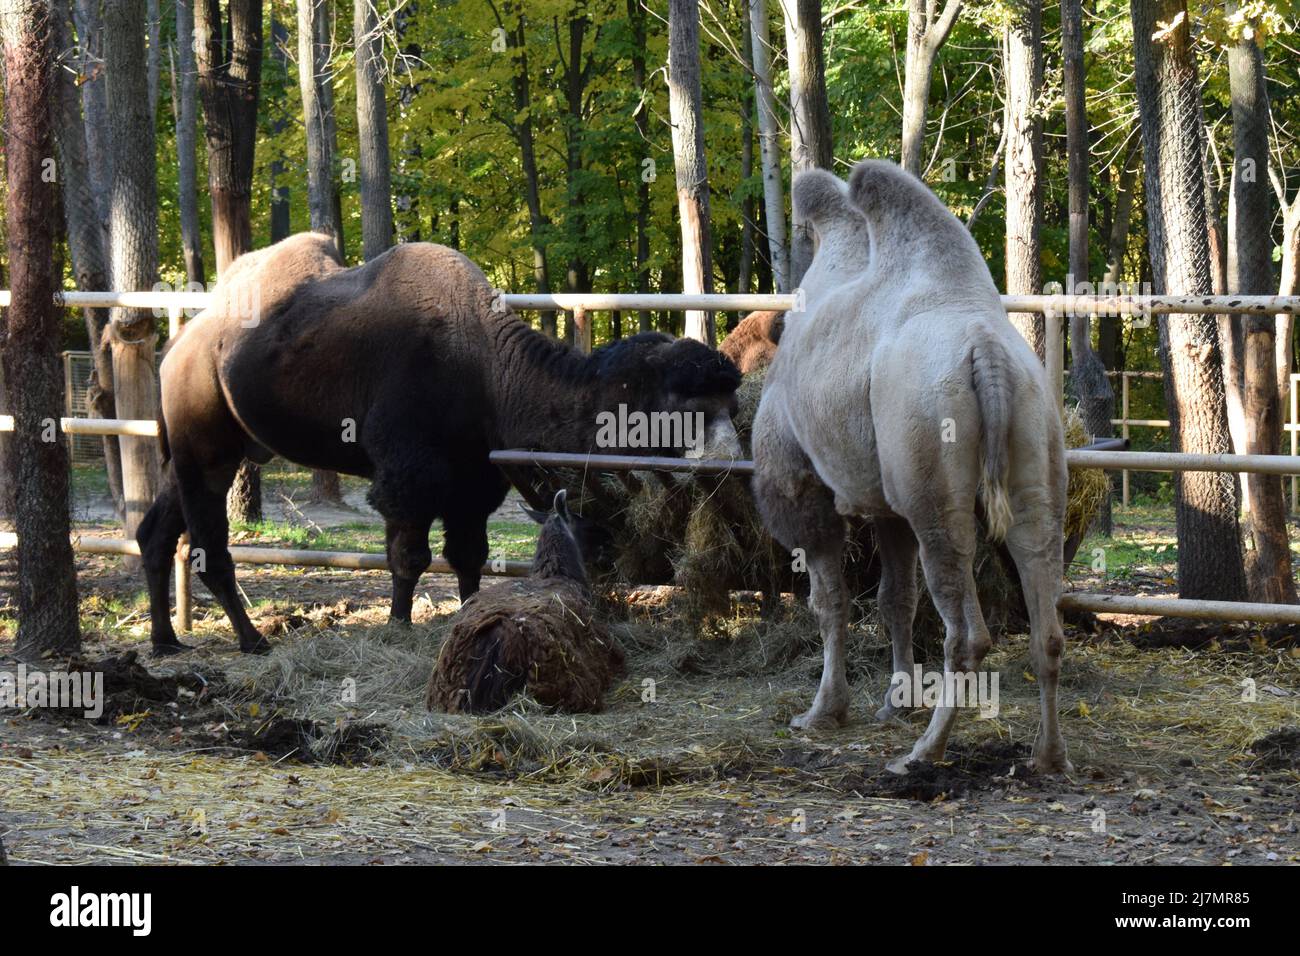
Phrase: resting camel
pixel 903 392
pixel 407 371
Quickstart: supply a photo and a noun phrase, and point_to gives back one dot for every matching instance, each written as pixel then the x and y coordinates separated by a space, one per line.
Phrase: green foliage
pixel 458 176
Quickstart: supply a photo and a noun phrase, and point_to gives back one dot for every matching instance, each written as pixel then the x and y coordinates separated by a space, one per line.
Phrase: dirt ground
pixel 213 757
pixel 188 772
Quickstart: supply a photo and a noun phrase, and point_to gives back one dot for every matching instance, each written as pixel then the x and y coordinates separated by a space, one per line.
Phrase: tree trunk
pixel 1250 272
pixel 769 141
pixel 636 14
pixel 314 82
pixel 686 115
pixel 134 249
pixel 230 76
pixel 372 131
pixel 1023 56
pixel 47 580
pixel 810 117
pixel 576 75
pixel 85 241
pixel 1289 284
pixel 1108 337
pixel 94 103
pixel 1168 91
pixel 1087 373
pixel 186 111
pixel 745 264
pixel 153 27
pixel 281 210
pixel 522 129
pixel 927 31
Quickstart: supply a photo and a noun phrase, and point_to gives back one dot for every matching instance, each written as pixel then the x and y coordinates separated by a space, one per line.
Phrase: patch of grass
pixel 513 540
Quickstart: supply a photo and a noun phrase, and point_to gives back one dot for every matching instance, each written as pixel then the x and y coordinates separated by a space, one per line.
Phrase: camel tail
pixel 991 366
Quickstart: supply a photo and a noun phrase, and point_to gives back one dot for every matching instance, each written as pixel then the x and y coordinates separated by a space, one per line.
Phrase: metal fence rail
pixel 1055 307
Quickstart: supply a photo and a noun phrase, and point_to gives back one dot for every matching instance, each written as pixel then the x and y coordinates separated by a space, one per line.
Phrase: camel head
pixel 669 397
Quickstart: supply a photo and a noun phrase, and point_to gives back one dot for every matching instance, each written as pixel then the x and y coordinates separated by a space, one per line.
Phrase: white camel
pixel 902 391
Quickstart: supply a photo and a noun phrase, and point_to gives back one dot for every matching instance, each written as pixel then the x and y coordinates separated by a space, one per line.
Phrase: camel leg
pixel 947 555
pixel 829 600
pixel 1037 554
pixel 408 557
pixel 466 549
pixel 896 601
pixel 477 490
pixel 157 536
pixel 203 500
pixel 799 511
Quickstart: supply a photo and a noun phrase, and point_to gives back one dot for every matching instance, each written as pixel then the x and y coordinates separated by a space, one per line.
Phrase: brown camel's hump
pixel 751 345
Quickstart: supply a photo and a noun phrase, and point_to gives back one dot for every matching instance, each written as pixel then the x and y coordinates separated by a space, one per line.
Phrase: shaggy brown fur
pixel 751 345
pixel 538 635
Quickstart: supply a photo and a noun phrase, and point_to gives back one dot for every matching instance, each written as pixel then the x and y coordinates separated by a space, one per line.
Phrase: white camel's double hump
pixel 903 392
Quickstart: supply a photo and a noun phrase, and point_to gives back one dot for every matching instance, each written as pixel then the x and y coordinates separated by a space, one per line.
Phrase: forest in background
pixel 458 178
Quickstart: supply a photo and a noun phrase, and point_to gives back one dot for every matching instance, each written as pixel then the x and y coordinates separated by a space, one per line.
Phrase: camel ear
pixel 561 506
pixel 538 516
pixel 820 196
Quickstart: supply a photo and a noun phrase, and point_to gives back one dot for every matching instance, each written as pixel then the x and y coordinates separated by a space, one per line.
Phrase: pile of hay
pixel 1089 487
pixel 534 635
pixel 704 533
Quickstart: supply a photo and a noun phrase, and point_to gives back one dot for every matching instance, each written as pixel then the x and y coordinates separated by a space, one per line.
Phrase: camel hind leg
pixel 947 555
pixel 1036 548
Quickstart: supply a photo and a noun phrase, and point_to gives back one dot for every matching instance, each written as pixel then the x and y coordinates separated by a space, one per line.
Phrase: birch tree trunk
pixel 769 141
pixel 685 111
pixel 47 581
pixel 1210 562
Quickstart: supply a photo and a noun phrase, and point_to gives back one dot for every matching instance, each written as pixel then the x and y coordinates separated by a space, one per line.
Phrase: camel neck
pixel 546 392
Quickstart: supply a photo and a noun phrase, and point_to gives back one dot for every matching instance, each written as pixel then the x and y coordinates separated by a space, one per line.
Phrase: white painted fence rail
pixel 1055 307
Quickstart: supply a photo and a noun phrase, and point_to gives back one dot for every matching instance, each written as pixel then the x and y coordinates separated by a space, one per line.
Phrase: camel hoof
pixel 261 646
pixel 169 649
pixel 821 720
pixel 896 715
pixel 900 765
pixel 1051 766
